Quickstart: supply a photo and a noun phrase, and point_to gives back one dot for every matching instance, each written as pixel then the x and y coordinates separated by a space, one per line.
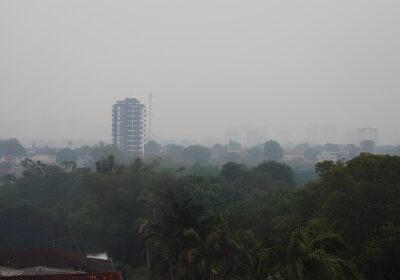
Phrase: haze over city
pixel 199 140
pixel 211 65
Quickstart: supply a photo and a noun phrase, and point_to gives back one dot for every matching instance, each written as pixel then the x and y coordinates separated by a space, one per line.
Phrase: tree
pixel 196 154
pixel 65 154
pixel 11 146
pixel 310 255
pixel 166 234
pixel 219 149
pixel 173 151
pixel 367 146
pixel 83 151
pixel 356 196
pixel 273 151
pixel 101 151
pixel 232 171
pixel 398 150
pixel 234 146
pixel 105 165
pixel 232 157
pixel 380 256
pixel 116 200
pixel 8 179
pixel 331 147
pixel 352 150
pixel 152 149
pixel 34 208
pixel 276 171
pixel 322 167
pixel 255 155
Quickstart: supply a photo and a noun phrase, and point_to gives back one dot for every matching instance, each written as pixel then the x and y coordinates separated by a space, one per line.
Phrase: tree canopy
pixel 238 223
pixel 273 151
pixel 11 146
pixel 65 154
pixel 196 154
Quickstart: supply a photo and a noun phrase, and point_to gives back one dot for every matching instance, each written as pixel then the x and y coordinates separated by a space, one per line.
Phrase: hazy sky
pixel 210 64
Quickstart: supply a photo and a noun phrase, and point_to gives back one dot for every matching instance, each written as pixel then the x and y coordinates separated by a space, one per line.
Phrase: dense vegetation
pixel 242 223
pixel 11 146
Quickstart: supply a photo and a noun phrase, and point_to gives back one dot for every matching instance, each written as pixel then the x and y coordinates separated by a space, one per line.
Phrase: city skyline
pixel 277 65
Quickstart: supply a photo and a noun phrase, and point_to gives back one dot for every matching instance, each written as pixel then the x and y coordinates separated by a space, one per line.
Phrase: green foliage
pixel 352 150
pixel 101 151
pixel 331 147
pixel 273 151
pixel 255 155
pixel 381 254
pixel 357 197
pixel 105 165
pixel 201 223
pixel 34 208
pixel 310 253
pixel 152 149
pixel 367 146
pixel 280 173
pixel 234 146
pixel 196 154
pixel 172 150
pixel 323 167
pixel 11 146
pixel 303 177
pixel 65 155
pixel 200 170
pixel 232 171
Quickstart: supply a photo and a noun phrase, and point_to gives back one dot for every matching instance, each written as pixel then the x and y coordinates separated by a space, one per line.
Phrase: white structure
pixel 129 126
pixel 327 156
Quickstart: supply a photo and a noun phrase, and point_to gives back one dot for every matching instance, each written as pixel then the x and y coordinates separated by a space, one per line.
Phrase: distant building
pixel 253 138
pixel 129 126
pixel 327 156
pixel 246 136
pixel 366 133
pixel 321 134
pixel 291 155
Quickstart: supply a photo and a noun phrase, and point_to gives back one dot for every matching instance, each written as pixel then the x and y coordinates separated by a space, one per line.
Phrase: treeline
pixel 242 223
pixel 11 146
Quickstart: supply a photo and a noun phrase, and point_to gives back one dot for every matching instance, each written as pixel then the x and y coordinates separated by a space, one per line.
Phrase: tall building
pixel 129 126
pixel 321 133
pixel 246 136
pixel 366 133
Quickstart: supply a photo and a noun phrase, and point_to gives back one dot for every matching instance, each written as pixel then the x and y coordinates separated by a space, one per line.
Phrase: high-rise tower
pixel 129 126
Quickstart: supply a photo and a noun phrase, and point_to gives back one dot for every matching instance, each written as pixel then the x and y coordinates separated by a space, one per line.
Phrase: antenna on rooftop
pixel 150 117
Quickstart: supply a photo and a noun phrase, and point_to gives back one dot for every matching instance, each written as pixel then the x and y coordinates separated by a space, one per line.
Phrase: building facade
pixel 366 133
pixel 321 134
pixel 129 126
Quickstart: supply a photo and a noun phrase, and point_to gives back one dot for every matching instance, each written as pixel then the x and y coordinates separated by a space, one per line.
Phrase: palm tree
pixel 222 253
pixel 307 257
pixel 165 235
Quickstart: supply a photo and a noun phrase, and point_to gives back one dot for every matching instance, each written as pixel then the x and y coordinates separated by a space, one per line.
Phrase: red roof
pixel 53 258
pixel 94 276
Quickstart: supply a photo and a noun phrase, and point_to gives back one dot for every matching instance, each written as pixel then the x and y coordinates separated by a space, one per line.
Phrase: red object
pixel 20 259
pixel 90 276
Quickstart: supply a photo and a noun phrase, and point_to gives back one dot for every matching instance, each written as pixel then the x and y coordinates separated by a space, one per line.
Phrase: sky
pixel 210 65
